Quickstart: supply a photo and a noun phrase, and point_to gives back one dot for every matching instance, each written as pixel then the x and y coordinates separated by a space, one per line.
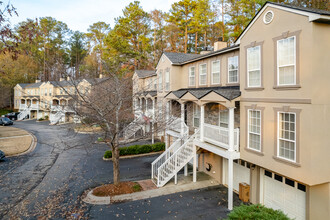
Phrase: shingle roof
pixel 23 85
pixel 152 93
pixel 34 85
pixel 228 92
pixel 177 58
pixel 311 10
pixel 145 73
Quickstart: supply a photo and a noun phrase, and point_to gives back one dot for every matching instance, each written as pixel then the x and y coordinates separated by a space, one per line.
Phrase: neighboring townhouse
pixel 52 99
pixel 256 112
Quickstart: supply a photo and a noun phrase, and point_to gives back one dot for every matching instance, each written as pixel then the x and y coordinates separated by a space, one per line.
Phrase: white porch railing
pixel 175 125
pixel 34 106
pixel 22 106
pixel 220 136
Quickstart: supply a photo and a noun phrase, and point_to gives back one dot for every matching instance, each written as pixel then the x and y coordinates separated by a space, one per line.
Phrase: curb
pixel 133 156
pixel 86 132
pixel 31 148
pixel 96 200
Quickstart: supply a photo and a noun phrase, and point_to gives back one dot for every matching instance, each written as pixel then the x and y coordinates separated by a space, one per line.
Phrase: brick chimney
pixel 220 44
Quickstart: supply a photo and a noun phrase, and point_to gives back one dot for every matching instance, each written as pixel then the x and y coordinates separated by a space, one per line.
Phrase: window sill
pixel 294 164
pixel 254 88
pixel 254 151
pixel 289 87
pixel 232 84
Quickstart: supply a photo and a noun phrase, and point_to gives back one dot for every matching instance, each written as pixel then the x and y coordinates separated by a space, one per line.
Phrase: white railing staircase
pixel 134 126
pixel 169 163
pixel 23 113
pixel 55 118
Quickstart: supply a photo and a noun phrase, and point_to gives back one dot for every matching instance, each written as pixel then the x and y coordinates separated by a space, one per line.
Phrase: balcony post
pixel 202 122
pixel 140 107
pixel 146 107
pixel 230 159
pixel 182 119
pixel 167 123
pixel 153 122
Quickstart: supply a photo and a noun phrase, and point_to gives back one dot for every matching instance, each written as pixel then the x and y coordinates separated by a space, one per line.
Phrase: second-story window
pixel 224 119
pixel 254 129
pixel 46 92
pixel 167 80
pixel 216 72
pixel 50 92
pixel 160 81
pixel 202 74
pixel 286 135
pixel 196 115
pixel 286 61
pixel 233 69
pixel 254 66
pixel 192 76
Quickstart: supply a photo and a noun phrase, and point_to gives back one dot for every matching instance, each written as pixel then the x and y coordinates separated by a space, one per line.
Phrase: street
pixel 49 182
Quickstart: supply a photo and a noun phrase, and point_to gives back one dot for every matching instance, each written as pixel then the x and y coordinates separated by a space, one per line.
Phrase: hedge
pixel 256 212
pixel 137 149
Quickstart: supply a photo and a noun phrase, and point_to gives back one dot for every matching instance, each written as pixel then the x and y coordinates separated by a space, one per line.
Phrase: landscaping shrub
pixel 99 139
pixel 41 119
pixel 137 149
pixel 46 117
pixel 108 154
pixel 256 212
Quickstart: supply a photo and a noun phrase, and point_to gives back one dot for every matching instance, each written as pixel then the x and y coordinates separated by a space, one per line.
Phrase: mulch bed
pixel 120 188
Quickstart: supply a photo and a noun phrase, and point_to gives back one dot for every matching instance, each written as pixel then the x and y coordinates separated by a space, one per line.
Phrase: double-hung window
pixel 286 134
pixel 202 74
pixel 224 118
pixel 254 66
pixel 192 76
pixel 254 129
pixel 45 92
pixel 233 69
pixel 286 61
pixel 216 72
pixel 160 81
pixel 167 80
pixel 197 115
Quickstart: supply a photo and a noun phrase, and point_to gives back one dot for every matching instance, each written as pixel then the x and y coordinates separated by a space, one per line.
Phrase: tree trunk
pixel 115 162
pixel 185 39
pixel 205 39
pixel 196 42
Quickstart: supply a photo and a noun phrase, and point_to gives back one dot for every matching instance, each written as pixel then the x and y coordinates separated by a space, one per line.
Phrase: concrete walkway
pixel 15 141
pixel 185 183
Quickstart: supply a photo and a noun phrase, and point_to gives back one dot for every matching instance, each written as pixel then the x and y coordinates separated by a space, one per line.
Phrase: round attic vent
pixel 268 17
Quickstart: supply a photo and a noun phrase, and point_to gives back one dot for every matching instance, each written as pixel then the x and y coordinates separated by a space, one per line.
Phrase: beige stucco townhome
pixel 257 112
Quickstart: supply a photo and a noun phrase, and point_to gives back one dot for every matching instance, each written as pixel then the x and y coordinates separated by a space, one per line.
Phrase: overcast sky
pixel 79 14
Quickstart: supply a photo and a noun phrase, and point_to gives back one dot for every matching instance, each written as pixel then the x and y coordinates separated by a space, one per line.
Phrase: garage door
pixel 241 173
pixel 284 194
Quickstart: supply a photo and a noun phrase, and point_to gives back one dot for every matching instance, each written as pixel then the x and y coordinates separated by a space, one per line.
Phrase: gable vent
pixel 268 17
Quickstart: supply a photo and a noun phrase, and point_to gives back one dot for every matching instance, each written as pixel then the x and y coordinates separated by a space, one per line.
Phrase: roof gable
pixel 313 14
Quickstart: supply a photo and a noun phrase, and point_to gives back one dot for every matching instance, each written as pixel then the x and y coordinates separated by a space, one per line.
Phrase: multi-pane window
pixel 45 92
pixel 202 74
pixel 160 81
pixel 287 135
pixel 167 80
pixel 286 61
pixel 224 118
pixel 254 66
pixel 216 72
pixel 233 69
pixel 192 76
pixel 254 129
pixel 50 92
pixel 197 115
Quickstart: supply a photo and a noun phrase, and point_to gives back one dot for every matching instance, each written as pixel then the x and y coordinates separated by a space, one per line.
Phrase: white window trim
pixel 232 70
pixel 295 137
pixel 198 115
pixel 167 72
pixel 248 134
pixel 199 73
pixel 247 67
pixel 190 76
pixel 294 59
pixel 160 81
pixel 212 82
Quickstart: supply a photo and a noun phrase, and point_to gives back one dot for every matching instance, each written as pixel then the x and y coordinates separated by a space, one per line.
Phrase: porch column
pixel 230 159
pixel 140 107
pixel 182 119
pixel 37 109
pixel 202 123
pixel 194 164
pixel 146 107
pixel 153 122
pixel 167 117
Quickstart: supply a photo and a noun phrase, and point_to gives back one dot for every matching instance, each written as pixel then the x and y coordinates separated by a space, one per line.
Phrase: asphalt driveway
pixel 48 182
